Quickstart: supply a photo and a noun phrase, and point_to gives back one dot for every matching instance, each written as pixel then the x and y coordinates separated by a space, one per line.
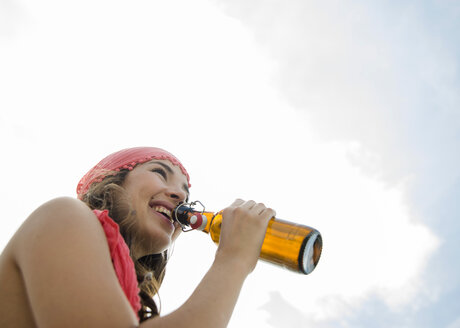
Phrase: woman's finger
pixel 259 208
pixel 248 204
pixel 269 212
pixel 237 202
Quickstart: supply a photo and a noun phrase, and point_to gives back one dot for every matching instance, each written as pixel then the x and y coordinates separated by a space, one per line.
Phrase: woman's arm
pixel 213 301
pixel 65 263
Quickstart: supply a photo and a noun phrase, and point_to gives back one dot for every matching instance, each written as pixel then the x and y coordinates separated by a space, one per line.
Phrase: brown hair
pixel 110 195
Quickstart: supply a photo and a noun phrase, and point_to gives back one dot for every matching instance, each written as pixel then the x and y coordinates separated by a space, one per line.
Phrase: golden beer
pixel 290 245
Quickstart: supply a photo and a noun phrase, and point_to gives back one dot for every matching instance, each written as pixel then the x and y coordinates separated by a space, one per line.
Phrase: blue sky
pixel 350 109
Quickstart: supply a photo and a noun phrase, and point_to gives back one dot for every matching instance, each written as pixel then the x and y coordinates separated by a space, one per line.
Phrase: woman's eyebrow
pixel 167 168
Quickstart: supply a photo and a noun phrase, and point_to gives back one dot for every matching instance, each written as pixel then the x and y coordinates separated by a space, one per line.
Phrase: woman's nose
pixel 176 194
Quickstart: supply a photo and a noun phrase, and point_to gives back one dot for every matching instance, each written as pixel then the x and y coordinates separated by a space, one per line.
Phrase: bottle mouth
pixel 312 252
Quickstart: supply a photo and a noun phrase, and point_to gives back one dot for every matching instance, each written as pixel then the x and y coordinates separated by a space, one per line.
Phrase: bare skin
pixel 56 271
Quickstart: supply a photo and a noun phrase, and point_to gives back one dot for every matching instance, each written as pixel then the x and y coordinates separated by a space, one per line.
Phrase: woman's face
pixel 155 188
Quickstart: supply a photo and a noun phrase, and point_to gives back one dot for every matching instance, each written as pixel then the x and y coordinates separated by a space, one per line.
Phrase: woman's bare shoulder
pixel 65 209
pixel 57 220
pixel 64 259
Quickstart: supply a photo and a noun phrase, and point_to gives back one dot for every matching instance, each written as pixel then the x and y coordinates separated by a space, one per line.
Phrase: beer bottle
pixel 292 246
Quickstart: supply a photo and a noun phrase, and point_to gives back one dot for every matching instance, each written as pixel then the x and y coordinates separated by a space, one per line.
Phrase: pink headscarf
pixel 125 159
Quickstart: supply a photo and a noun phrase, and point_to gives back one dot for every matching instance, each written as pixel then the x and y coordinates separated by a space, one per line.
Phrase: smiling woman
pixel 98 260
pixel 137 202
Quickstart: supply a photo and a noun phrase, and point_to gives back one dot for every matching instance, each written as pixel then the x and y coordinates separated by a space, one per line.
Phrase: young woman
pixel 98 260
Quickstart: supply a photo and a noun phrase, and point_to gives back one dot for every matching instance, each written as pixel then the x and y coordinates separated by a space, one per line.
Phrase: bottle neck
pixel 191 219
pixel 209 219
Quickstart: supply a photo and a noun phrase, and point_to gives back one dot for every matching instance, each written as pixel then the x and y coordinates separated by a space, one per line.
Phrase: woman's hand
pixel 244 224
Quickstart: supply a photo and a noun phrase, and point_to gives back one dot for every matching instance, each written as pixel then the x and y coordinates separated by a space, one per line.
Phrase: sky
pixel 344 116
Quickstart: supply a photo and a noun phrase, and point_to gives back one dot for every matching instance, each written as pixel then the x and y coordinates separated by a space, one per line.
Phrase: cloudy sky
pixel 344 116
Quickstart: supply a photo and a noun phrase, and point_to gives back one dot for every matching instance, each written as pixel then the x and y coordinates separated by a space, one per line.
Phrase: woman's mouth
pixel 164 212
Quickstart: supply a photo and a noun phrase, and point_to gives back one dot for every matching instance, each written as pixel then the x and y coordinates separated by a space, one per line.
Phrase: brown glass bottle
pixel 293 246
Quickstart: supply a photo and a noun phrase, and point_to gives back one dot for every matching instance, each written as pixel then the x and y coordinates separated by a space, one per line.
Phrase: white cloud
pixel 454 324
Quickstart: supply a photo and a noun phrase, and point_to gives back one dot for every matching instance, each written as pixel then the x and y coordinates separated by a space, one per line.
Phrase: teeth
pixel 163 210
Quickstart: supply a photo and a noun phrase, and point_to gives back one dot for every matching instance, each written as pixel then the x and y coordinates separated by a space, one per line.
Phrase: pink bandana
pixel 125 159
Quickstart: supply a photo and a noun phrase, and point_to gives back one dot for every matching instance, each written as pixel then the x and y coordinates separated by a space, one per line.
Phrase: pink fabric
pixel 122 262
pixel 125 159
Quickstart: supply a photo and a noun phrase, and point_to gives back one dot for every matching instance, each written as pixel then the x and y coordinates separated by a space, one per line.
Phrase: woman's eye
pixel 160 171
